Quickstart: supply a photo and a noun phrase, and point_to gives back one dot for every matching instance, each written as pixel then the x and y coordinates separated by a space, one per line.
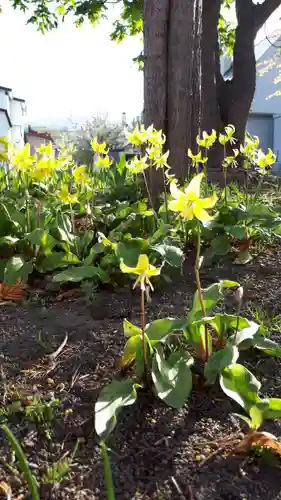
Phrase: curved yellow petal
pixel 175 191
pixel 175 205
pixel 193 189
pixel 201 214
pixel 187 212
pixel 143 264
pixel 127 269
pixel 208 202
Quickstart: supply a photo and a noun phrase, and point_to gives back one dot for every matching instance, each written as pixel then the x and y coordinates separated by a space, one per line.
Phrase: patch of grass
pixel 56 472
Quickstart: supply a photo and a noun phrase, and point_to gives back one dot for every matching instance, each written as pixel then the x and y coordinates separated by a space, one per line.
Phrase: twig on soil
pixel 55 354
pixel 178 488
pixel 3 379
pixel 75 376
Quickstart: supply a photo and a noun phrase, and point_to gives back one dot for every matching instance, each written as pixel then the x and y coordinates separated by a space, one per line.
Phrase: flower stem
pixel 225 178
pixel 150 199
pixel 200 294
pixel 165 197
pixel 142 322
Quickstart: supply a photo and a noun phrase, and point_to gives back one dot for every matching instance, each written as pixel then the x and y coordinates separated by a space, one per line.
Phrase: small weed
pixel 57 472
pixel 38 410
pixel 268 320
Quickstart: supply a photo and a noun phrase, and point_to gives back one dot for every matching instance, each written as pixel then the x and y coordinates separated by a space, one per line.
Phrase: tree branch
pixel 264 10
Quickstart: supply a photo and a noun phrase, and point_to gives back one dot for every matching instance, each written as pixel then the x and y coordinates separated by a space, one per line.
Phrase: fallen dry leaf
pixel 13 293
pixel 260 439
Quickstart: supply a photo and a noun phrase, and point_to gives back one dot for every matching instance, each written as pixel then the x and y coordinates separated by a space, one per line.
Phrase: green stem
pixel 142 322
pixel 199 289
pixel 165 197
pixel 23 463
pixel 225 177
pixel 150 199
pixel 107 472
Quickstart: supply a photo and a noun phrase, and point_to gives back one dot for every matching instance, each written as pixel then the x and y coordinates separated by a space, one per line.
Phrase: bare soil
pixel 156 452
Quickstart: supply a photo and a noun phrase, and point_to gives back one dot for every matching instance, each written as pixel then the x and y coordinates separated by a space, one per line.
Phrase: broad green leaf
pixel 240 384
pixel 57 260
pixel 211 296
pixel 41 238
pixel 273 408
pixel 239 232
pixel 256 416
pixel 267 345
pixel 158 330
pixel 76 274
pixel 130 330
pixel 172 378
pixel 111 400
pixel 17 270
pixel 225 323
pixel 220 245
pixel 171 254
pixel 130 251
pixel 219 361
pixel 246 333
pixel 130 350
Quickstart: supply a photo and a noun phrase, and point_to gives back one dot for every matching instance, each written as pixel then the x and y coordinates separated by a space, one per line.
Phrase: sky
pixel 74 72
pixel 70 72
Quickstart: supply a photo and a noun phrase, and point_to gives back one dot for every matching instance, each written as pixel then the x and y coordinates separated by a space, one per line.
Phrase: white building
pixel 12 112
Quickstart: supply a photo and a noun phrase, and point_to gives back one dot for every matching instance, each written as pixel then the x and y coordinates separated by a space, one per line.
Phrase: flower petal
pixel 127 269
pixel 193 189
pixel 175 205
pixel 175 191
pixel 201 214
pixel 187 212
pixel 143 264
pixel 208 202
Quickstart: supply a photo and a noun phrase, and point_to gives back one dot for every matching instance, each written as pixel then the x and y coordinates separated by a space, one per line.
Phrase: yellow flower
pixel 138 165
pixel 144 271
pixel 263 160
pixel 43 169
pixel 45 150
pixel 103 162
pixel 156 155
pixel 208 140
pixel 139 136
pixel 22 159
pixel 156 137
pixel 196 158
pixel 99 148
pixel 188 202
pixel 65 196
pixel 231 160
pixel 228 136
pixel 80 175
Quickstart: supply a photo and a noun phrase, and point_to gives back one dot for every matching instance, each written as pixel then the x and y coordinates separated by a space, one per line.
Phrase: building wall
pixel 4 100
pixel 17 119
pixel 265 86
pixel 35 142
pixel 5 130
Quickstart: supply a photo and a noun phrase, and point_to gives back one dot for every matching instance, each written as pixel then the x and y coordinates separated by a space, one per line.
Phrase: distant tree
pixel 109 132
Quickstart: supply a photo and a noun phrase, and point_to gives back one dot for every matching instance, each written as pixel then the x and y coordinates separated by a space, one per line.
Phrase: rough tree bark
pixel 182 70
pixel 180 83
pixel 170 33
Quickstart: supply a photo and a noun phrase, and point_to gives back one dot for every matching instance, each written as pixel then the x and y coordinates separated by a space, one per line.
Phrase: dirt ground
pixel 156 452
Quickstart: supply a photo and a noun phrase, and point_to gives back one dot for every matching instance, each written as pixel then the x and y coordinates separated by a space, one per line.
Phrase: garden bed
pixel 156 452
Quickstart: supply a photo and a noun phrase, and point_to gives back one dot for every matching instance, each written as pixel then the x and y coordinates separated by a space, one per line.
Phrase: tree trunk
pixel 181 54
pixel 170 53
pixel 156 15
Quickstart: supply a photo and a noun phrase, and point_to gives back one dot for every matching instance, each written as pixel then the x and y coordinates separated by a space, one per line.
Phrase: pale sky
pixel 71 71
